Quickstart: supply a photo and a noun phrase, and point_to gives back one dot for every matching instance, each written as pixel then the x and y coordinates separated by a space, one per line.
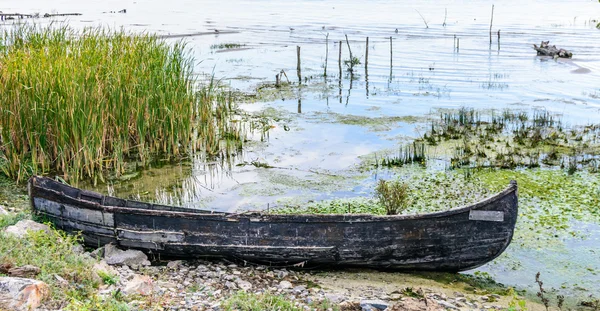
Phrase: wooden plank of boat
pixel 453 240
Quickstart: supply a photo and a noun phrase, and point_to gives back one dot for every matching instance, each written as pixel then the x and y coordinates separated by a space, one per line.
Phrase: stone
pixel 230 285
pixel 77 249
pixel 373 305
pixel 20 229
pixel 130 257
pixel 140 285
pixel 26 271
pixel 244 285
pixel 415 304
pixel 447 305
pixel 3 210
pixel 284 285
pixel 349 306
pixel 103 267
pixel 21 294
pixel 98 253
pixel 174 264
pixel 299 289
pixel 334 298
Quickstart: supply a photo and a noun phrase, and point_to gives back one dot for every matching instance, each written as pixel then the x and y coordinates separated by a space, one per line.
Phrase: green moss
pixel 427 192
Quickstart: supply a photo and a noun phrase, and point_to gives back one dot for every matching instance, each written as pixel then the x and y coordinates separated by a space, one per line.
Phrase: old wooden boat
pixel 453 240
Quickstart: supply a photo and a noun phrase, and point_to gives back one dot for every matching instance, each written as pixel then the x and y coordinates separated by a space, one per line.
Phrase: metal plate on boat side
pixel 486 215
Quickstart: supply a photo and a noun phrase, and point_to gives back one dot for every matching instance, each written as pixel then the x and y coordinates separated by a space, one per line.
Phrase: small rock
pixel 77 249
pixel 395 296
pixel 21 294
pixel 334 298
pixel 202 268
pixel 230 285
pixel 284 285
pixel 98 253
pixel 484 298
pixel 130 257
pixel 244 285
pixel 459 294
pixel 447 305
pixel 299 289
pixel 373 305
pixel 3 210
pixel 140 284
pixel 61 281
pixel 20 229
pixel 103 267
pixel 282 274
pixel 174 264
pixel 27 271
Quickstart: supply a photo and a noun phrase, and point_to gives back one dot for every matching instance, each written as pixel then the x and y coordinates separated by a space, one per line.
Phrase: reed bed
pixel 80 103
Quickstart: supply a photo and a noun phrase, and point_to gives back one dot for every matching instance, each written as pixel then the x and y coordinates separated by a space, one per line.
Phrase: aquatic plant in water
pixel 79 103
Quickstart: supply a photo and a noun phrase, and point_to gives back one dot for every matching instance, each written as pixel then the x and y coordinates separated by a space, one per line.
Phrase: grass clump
pixel 393 195
pixel 242 301
pixel 54 254
pixel 82 102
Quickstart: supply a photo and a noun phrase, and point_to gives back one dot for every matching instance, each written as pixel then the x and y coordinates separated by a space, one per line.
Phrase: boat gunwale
pixel 257 215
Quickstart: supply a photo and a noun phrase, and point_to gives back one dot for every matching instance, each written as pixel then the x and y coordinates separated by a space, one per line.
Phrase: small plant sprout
pixel 393 195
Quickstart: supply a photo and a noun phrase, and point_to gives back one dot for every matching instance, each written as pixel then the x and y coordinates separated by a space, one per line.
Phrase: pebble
pixel 204 285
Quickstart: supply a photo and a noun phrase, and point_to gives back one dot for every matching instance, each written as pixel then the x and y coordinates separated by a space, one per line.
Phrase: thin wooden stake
pixel 457 44
pixel 326 54
pixel 391 60
pixel 366 67
pixel 491 22
pixel 367 54
pixel 391 52
pixel 298 66
pixel 498 39
pixel 340 59
pixel 350 51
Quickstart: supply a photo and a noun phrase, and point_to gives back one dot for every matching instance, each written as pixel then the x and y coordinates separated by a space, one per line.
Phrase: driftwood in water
pixel 546 50
pixel 10 16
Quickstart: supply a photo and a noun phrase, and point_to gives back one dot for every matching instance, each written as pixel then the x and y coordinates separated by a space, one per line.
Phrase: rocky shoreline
pixel 212 284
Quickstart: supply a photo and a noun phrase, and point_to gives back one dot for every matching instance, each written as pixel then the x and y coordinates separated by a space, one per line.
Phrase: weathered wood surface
pixel 452 240
pixel 546 50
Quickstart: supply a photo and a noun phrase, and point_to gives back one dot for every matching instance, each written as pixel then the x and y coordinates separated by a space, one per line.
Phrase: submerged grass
pixel 82 102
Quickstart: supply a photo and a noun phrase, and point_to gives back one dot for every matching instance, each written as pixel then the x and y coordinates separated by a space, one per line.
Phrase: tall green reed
pixel 80 103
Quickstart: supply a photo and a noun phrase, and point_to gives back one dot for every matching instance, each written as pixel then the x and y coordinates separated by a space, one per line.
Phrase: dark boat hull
pixel 453 240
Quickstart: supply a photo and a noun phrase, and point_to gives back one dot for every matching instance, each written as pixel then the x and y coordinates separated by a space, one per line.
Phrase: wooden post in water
pixel 298 66
pixel 340 60
pixel 498 39
pixel 457 44
pixel 491 21
pixel 366 67
pixel 391 59
pixel 350 52
pixel 367 54
pixel 454 44
pixel 326 54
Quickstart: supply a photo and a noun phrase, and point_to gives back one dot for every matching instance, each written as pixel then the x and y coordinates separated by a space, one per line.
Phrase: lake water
pixel 314 152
